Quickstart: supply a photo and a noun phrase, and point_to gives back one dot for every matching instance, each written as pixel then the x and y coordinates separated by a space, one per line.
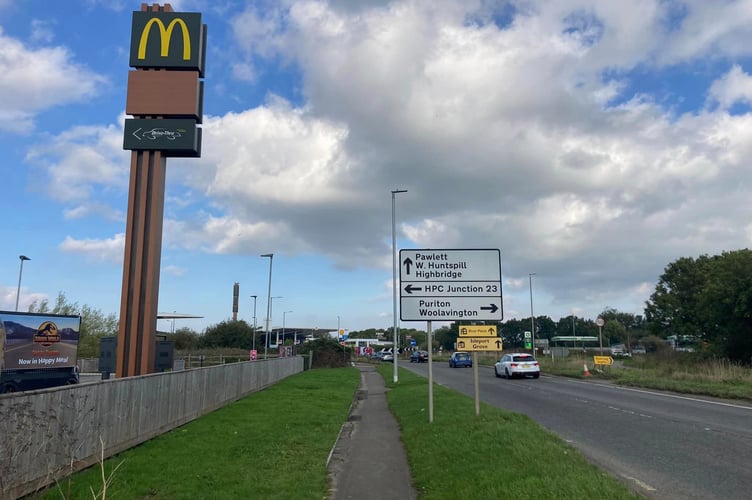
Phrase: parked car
pixel 388 356
pixel 619 350
pixel 458 359
pixel 517 364
pixel 419 357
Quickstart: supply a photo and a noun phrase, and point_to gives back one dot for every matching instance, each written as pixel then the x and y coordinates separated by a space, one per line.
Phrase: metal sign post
pixel 430 372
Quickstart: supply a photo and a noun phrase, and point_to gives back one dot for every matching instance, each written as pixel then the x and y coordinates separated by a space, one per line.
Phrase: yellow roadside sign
pixel 477 330
pixel 603 360
pixel 478 344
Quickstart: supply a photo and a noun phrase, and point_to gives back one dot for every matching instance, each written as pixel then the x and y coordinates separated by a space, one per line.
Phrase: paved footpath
pixel 369 462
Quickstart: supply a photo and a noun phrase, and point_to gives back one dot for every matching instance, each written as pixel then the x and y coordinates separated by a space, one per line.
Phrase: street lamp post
pixel 268 302
pixel 283 326
pixel 532 316
pixel 271 314
pixel 254 321
pixel 20 273
pixel 394 282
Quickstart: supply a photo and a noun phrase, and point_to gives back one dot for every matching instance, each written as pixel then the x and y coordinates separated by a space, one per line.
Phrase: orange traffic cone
pixel 587 372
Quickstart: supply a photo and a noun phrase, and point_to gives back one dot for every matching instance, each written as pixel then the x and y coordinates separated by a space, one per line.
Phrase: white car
pixel 517 364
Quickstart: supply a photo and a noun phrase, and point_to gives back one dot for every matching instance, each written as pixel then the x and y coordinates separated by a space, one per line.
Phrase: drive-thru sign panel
pixel 450 285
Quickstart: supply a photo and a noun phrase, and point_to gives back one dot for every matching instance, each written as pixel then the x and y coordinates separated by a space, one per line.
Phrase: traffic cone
pixel 587 372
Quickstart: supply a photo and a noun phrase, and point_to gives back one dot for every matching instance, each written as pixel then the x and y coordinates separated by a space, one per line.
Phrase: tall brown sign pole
pixel 165 96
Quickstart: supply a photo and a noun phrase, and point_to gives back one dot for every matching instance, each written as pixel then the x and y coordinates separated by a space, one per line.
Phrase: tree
pixel 545 327
pixel 672 308
pixel 442 337
pixel 708 299
pixel 185 339
pixel 94 323
pixel 724 305
pixel 614 333
pixel 513 332
pixel 227 333
pixel 569 326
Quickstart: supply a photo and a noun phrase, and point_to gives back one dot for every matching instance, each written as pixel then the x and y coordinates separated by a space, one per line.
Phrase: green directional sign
pixel 176 137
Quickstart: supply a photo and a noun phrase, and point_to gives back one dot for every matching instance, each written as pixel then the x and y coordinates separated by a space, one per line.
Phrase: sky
pixel 592 142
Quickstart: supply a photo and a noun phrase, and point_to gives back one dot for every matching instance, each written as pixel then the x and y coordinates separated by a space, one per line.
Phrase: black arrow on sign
pixel 409 288
pixel 493 308
pixel 498 344
pixel 407 262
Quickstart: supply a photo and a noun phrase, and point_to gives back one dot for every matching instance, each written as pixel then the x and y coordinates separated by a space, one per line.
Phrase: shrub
pixel 327 353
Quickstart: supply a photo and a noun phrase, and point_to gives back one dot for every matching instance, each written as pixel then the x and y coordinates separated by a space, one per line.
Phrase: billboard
pixel 39 340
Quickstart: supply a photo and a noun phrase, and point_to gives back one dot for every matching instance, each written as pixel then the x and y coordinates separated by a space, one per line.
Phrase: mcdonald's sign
pixel 175 40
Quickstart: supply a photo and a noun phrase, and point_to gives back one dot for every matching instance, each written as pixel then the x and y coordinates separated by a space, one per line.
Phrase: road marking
pixel 630 412
pixel 639 483
pixel 731 405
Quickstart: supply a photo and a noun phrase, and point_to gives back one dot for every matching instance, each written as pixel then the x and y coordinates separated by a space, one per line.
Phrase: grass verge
pixel 716 378
pixel 497 454
pixel 272 444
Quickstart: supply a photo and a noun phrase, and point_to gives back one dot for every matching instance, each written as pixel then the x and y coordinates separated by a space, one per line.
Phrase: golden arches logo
pixel 165 33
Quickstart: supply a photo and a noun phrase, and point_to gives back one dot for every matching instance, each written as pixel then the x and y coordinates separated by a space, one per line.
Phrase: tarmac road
pixel 664 446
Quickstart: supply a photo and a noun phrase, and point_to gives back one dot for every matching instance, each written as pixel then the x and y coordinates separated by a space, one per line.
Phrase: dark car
pixel 419 357
pixel 458 359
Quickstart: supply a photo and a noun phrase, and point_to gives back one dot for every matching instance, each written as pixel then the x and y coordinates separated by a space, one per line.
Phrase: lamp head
pixel 270 255
pixel 23 257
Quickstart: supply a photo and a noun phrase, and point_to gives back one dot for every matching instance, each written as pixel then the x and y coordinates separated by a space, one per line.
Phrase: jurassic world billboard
pixel 39 340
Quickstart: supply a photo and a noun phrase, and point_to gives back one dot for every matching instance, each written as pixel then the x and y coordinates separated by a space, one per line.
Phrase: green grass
pixel 272 444
pixel 717 378
pixel 497 454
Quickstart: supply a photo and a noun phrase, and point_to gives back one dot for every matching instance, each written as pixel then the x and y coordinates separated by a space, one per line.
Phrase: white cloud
pixel 80 159
pixel 38 79
pixel 708 29
pixel 41 31
pixel 735 86
pixel 94 209
pixel 110 249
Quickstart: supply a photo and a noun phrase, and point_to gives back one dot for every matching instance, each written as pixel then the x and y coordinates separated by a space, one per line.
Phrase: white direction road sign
pixel 450 285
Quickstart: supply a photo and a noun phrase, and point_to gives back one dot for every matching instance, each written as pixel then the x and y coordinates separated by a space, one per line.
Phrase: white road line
pixel 719 403
pixel 630 412
pixel 639 483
